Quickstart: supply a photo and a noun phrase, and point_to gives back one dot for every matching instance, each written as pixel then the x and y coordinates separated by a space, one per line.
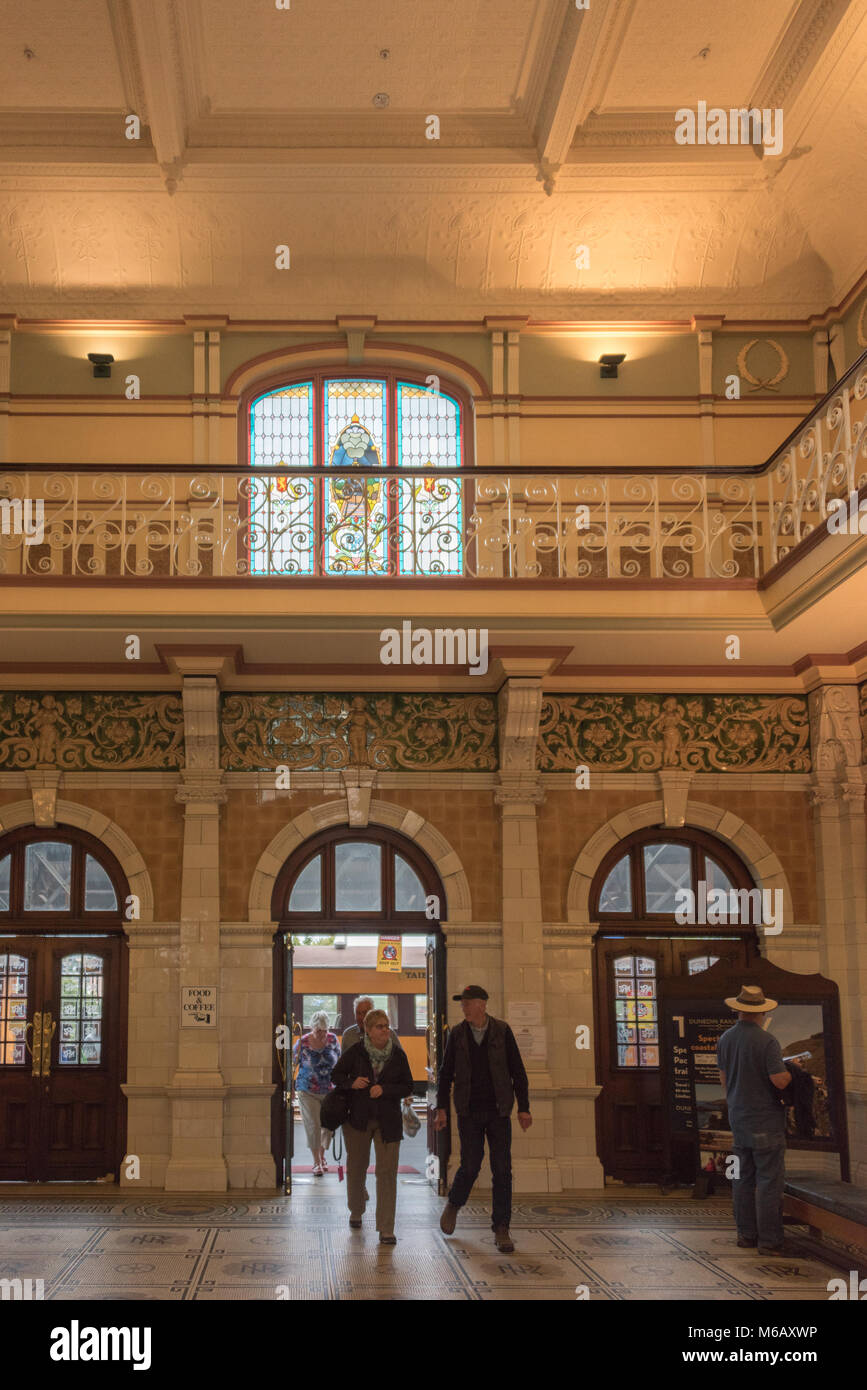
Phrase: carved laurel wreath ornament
pixel 758 383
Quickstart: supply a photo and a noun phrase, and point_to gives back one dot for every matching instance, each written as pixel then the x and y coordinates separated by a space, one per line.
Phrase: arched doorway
pixel 636 898
pixel 63 1007
pixel 352 885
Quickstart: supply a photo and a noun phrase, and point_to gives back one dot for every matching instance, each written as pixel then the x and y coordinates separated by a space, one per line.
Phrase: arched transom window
pixel 358 522
pixel 57 880
pixel 349 879
pixel 662 876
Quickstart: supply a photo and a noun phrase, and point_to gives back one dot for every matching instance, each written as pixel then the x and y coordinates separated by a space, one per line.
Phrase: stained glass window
pixel 355 524
pixel 14 990
pixel 5 868
pixel 81 980
pixel 431 526
pixel 635 1015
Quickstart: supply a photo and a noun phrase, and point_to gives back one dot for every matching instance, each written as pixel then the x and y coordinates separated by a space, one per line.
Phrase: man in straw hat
pixel 752 1070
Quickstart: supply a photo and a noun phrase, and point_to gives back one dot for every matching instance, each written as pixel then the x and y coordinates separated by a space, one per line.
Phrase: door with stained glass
pixel 63 996
pixel 60 1058
pixel 640 940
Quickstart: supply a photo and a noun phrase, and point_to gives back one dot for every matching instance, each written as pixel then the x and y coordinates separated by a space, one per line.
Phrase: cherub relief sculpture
pixel 357 723
pixel 46 725
pixel 669 723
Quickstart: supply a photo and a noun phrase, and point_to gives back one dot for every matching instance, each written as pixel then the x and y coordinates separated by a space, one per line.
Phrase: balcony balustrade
pixel 215 523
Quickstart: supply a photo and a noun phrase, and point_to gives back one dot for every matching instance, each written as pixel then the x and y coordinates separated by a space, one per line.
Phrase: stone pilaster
pixel 198 1088
pixel 837 797
pixel 518 795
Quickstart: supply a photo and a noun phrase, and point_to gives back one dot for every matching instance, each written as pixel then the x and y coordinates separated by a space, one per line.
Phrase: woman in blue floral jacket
pixel 315 1055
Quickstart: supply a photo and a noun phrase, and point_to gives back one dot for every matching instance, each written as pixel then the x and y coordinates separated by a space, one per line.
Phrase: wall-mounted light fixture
pixel 101 363
pixel 609 362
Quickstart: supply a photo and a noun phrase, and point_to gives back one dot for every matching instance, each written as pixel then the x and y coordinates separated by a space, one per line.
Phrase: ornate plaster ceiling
pixel 557 131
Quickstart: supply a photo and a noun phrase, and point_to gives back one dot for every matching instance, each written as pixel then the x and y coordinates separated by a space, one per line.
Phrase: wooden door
pixel 630 1113
pixel 62 1112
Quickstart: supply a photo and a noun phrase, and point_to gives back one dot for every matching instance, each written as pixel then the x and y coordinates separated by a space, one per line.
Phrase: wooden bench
pixel 839 1209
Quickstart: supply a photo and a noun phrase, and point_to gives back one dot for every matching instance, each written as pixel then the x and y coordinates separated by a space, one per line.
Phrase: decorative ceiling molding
pixel 157 43
pixel 800 49
pixel 582 61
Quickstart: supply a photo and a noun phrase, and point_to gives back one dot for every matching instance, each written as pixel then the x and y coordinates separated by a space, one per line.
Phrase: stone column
pixel 197 1088
pixel 518 795
pixel 837 796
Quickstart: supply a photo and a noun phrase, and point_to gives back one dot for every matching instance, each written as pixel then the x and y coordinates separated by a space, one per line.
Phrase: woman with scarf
pixel 377 1076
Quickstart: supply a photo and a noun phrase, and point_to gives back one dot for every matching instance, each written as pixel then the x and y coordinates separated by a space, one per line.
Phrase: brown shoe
pixel 448 1219
pixel 503 1240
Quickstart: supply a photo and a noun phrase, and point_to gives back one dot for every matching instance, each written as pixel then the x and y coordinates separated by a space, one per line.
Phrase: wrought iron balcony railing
pixel 178 522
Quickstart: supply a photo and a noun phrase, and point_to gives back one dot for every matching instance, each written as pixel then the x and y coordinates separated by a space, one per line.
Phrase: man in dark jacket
pixel 752 1071
pixel 483 1061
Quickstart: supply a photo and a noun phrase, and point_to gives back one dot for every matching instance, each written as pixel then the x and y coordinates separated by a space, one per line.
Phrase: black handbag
pixel 334 1110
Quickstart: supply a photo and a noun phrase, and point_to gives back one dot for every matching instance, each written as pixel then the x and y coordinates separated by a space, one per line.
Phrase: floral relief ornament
pixel 91 731
pixel 309 732
pixel 702 733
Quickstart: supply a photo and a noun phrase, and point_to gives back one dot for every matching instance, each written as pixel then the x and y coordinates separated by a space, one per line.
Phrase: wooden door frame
pixel 47 948
pixel 639 938
pixel 278 1140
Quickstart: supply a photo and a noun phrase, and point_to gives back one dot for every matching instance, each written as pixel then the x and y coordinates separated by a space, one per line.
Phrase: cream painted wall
pixel 568 365
pixel 55 364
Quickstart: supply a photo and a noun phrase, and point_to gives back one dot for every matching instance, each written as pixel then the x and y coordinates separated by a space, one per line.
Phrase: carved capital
pixel 835 729
pixel 520 788
pixel 823 794
pixel 204 787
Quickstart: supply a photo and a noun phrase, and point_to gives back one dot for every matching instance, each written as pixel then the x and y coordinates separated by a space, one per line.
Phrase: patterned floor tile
pixel 122 1245
pixel 132 1269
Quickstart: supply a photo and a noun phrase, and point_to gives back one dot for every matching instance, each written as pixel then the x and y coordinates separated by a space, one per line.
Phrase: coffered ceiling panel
pixel 74 65
pixel 324 55
pixel 258 130
pixel 677 55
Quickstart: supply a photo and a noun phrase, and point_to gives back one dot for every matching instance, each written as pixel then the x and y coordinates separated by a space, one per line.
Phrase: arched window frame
pixel 330 921
pixel 639 922
pixel 76 918
pixel 392 377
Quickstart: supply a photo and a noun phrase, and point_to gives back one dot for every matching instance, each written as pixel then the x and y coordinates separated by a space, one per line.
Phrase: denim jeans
pixel 758 1192
pixel 473 1130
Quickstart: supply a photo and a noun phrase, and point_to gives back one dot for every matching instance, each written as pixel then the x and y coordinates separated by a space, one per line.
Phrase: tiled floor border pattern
pixel 194 1247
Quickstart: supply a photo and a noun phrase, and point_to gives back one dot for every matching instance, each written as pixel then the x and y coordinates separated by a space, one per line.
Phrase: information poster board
pixel 696 1105
pixel 693 1015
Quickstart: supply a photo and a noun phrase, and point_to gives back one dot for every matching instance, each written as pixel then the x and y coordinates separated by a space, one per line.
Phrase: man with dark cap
pixel 483 1061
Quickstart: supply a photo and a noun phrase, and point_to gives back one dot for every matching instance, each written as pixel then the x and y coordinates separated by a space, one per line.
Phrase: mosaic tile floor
pixel 105 1244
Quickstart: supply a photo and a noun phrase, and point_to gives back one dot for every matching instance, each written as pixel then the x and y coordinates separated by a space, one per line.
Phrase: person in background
pixel 752 1071
pixel 483 1060
pixel 377 1076
pixel 315 1054
pixel 355 1032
